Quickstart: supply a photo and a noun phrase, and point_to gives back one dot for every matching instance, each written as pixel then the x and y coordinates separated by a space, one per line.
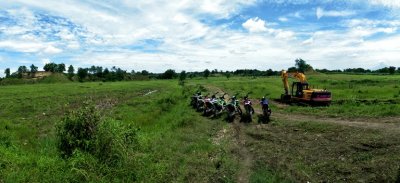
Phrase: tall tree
pixel 120 74
pixel 71 71
pixel 99 72
pixel 182 76
pixel 21 70
pixel 206 73
pixel 50 67
pixel 392 70
pixel 302 66
pixel 168 74
pixel 82 74
pixel 145 73
pixel 34 69
pixel 7 72
pixel 60 68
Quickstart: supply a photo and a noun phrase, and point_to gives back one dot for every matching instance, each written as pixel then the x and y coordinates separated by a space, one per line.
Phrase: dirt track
pixel 241 141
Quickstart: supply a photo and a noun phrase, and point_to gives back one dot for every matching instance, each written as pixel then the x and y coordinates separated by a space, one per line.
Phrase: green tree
pixel 227 74
pixel 292 69
pixel 168 74
pixel 7 72
pixel 99 72
pixel 60 68
pixel 71 71
pixel 206 73
pixel 302 66
pixel 145 73
pixel 50 67
pixel 270 72
pixel 392 70
pixel 82 74
pixel 92 70
pixel 182 76
pixel 21 71
pixel 120 74
pixel 34 69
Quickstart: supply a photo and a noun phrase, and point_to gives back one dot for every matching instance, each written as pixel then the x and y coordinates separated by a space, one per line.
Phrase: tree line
pixel 98 73
pixel 385 70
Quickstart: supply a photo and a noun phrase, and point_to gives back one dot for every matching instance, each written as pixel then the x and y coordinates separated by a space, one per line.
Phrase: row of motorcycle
pixel 216 106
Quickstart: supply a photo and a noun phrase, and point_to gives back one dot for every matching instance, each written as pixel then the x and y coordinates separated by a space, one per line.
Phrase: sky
pixel 157 35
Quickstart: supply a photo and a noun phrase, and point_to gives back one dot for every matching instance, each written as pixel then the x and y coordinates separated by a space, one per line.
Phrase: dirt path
pixel 244 154
pixel 385 124
pixel 246 159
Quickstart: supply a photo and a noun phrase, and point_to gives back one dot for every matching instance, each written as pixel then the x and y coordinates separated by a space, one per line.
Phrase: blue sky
pixel 195 35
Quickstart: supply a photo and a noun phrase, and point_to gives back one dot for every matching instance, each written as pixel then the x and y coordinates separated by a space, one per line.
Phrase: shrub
pixel 106 139
pixel 78 130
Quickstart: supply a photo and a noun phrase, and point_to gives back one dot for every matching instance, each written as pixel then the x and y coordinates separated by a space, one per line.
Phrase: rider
pixel 247 101
pixel 264 102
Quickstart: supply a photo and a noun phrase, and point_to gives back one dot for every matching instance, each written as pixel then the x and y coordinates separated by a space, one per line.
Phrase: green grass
pixel 381 93
pixel 177 144
pixel 174 142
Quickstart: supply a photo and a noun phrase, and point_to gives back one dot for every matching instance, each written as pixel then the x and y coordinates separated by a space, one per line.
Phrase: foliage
pixel 82 74
pixel 78 130
pixel 302 66
pixel 33 68
pixel 182 76
pixel 53 67
pixel 85 130
pixel 21 71
pixel 168 74
pixel 7 72
pixel 206 73
pixel 71 72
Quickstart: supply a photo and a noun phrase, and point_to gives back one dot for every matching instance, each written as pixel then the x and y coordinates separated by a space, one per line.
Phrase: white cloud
pixel 51 50
pixel 106 29
pixel 388 3
pixel 283 19
pixel 255 25
pixel 324 13
pixel 29 47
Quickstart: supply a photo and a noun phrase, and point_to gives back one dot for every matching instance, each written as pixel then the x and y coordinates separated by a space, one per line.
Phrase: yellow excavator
pixel 301 92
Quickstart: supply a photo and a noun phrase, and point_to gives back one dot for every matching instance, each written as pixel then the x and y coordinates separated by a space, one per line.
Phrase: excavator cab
pixel 299 88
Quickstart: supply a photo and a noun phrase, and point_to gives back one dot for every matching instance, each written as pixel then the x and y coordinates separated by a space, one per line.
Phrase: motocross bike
pixel 248 108
pixel 195 99
pixel 209 107
pixel 219 105
pixel 266 110
pixel 233 108
pixel 200 104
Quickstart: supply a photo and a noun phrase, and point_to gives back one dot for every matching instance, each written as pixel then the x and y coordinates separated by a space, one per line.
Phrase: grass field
pixel 356 139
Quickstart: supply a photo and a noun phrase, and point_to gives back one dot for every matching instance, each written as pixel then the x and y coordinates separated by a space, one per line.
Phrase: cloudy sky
pixel 191 35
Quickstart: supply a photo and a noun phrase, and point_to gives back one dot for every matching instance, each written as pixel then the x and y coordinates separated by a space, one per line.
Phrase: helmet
pixel 198 93
pixel 263 98
pixel 213 96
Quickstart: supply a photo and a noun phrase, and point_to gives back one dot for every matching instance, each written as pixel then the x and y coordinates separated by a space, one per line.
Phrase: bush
pixel 78 130
pixel 106 139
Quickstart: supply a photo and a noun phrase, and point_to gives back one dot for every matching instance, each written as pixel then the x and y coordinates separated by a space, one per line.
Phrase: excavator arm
pixel 285 75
